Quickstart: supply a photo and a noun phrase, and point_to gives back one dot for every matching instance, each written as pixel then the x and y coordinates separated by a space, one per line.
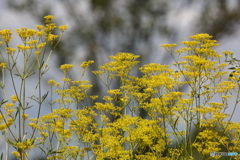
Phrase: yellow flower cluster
pixel 51 37
pixel 86 64
pixel 167 46
pixel 25 33
pixel 62 28
pixel 65 68
pixel 13 113
pixel 26 145
pixel 49 18
pixel 6 35
pixel 201 37
pixel 53 83
pixel 2 66
pixel 10 51
pixel 140 118
pixel 121 65
pixel 16 154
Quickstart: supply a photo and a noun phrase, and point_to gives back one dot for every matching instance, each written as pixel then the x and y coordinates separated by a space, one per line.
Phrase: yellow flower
pixel 58 85
pixel 37 53
pixel 40 33
pixel 3 126
pixel 10 50
pixel 32 42
pixel 23 48
pixel 51 82
pixel 98 73
pixel 24 116
pixel 2 66
pixel 93 97
pixel 63 113
pixel 228 52
pixel 183 50
pixel 201 36
pixel 50 27
pixel 86 64
pixel 63 28
pixel 41 45
pixel 16 154
pixel 39 27
pixel 121 56
pixel 33 125
pixel 44 134
pixel 66 79
pixel 66 67
pixel 114 92
pixel 168 45
pixel 25 33
pixel 14 98
pixel 6 35
pixel 10 121
pixel 49 18
pixel 51 37
pixel 25 145
pixel 8 106
pixel 190 43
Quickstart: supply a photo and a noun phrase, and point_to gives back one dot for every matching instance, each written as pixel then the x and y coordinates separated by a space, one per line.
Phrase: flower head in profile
pixel 51 82
pixel 49 18
pixel 2 66
pixel 201 36
pixel 14 98
pixel 65 68
pixel 6 35
pixel 168 45
pixel 51 37
pixel 86 64
pixel 63 28
pixel 10 50
pixel 16 154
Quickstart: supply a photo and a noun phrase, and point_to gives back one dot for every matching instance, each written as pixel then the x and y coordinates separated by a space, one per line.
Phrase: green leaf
pixel 2 102
pixel 175 122
pixel 34 98
pixel 18 75
pixel 14 65
pixel 44 72
pixel 232 68
pixel 43 150
pixel 44 96
pixel 29 107
pixel 11 142
pixel 16 114
pixel 28 75
pixel 41 65
pixel 54 152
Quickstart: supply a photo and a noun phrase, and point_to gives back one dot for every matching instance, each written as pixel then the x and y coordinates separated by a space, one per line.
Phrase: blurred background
pixel 100 28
